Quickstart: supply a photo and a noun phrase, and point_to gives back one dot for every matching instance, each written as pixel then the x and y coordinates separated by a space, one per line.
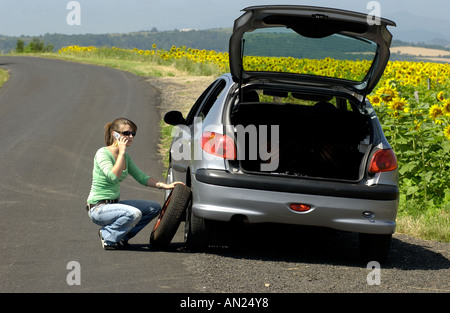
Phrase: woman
pixel 120 220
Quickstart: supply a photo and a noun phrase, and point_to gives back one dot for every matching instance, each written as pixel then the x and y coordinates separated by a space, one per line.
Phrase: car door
pixel 182 150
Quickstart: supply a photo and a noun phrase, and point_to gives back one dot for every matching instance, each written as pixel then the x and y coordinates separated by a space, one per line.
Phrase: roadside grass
pixel 431 223
pixel 426 227
pixel 4 75
pixel 135 67
pixel 164 145
pixel 136 64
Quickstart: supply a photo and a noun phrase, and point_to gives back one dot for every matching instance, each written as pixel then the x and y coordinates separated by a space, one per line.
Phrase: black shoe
pixel 123 245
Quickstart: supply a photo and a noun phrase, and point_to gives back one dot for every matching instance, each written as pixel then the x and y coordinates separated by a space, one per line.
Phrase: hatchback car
pixel 289 136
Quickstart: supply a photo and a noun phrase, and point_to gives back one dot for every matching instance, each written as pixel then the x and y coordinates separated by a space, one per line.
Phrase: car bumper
pixel 220 195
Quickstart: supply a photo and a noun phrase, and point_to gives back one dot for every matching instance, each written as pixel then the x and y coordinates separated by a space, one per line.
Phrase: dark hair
pixel 114 126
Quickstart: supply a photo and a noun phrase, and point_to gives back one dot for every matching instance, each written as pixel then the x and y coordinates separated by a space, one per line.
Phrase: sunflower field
pixel 412 101
pixel 413 104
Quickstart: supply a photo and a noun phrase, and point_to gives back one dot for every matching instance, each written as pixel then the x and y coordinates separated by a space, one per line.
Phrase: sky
pixel 37 17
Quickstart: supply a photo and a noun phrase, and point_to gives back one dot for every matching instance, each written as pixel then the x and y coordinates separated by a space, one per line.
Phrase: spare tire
pixel 170 217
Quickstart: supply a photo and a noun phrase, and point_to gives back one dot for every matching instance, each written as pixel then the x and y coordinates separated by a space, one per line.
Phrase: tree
pixel 37 45
pixel 19 46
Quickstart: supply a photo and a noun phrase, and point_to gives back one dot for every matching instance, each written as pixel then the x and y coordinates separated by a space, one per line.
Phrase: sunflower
pixel 446 107
pixel 398 104
pixel 417 125
pixel 447 132
pixel 386 93
pixel 375 100
pixel 440 96
pixel 435 112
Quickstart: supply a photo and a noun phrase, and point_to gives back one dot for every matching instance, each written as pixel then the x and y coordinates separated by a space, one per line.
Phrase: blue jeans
pixel 123 220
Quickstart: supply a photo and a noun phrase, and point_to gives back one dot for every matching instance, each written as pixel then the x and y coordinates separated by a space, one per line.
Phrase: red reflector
pixel 297 207
pixel 383 161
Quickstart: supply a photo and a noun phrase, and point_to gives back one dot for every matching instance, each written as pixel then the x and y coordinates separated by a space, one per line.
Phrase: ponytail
pixel 109 139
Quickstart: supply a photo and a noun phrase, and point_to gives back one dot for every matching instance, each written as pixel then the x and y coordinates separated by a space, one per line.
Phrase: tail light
pixel 218 145
pixel 383 161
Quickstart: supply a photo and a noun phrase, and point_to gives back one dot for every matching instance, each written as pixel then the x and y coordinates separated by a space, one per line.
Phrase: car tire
pixel 170 217
pixel 374 247
pixel 197 232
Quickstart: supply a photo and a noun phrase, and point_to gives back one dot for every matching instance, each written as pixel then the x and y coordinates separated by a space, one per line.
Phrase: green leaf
pixel 447 195
pixel 411 190
pixel 446 146
pixel 428 176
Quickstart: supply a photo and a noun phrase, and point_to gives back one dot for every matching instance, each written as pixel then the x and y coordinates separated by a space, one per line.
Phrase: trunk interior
pixel 319 141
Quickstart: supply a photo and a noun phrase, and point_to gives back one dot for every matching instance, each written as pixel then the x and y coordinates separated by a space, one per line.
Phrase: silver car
pixel 288 136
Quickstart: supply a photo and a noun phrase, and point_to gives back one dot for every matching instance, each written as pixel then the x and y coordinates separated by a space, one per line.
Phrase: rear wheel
pixel 374 247
pixel 197 231
pixel 171 215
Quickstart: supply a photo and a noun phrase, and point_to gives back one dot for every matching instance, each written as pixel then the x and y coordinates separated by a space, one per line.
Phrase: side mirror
pixel 174 118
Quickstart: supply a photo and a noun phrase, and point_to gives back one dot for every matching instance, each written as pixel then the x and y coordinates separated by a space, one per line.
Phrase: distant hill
pixel 420 54
pixel 211 39
pixel 420 29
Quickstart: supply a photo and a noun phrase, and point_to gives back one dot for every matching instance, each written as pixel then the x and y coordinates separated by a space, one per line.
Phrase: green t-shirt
pixel 105 184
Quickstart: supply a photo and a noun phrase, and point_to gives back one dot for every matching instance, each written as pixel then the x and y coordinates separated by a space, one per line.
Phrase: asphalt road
pixel 51 124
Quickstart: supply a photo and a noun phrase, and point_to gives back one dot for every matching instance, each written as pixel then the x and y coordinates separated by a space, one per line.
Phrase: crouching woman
pixel 121 220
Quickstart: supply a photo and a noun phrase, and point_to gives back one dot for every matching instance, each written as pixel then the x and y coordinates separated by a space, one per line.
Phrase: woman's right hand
pixel 122 144
pixel 119 165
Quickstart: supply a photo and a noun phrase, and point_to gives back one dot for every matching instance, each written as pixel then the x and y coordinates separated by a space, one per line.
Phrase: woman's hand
pixel 168 186
pixel 119 147
pixel 122 144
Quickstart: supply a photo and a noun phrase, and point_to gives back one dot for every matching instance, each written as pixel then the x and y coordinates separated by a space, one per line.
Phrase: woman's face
pixel 127 128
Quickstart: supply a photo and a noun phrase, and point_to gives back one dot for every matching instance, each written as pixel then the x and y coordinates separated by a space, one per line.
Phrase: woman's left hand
pixel 169 186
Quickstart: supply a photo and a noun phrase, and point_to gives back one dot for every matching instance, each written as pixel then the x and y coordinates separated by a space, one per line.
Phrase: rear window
pixel 282 50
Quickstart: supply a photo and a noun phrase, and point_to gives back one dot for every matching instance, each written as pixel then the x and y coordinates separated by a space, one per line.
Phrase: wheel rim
pixel 163 210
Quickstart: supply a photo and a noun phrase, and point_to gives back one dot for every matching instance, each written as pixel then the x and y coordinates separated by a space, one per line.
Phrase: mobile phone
pixel 116 135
